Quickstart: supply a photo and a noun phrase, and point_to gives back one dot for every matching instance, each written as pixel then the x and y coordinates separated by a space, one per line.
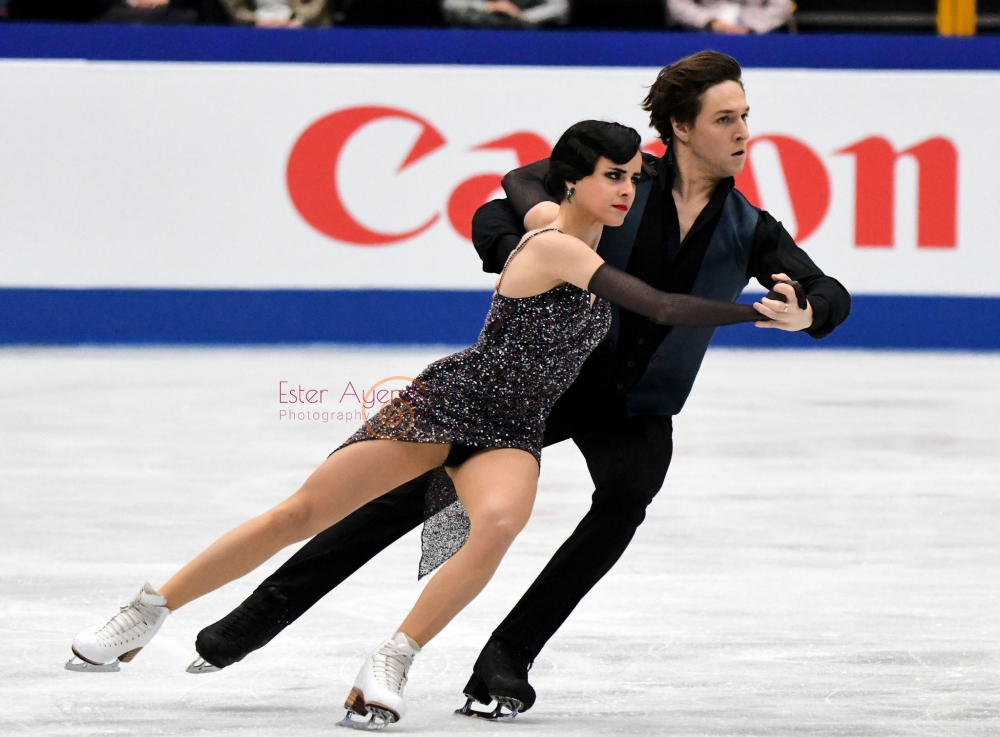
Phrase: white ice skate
pixel 378 689
pixel 124 635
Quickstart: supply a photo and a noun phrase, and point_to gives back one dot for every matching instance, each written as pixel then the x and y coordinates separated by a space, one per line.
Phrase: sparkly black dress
pixel 498 392
pixel 494 394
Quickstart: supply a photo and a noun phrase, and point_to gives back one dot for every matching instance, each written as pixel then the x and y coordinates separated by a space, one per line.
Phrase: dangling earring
pixel 569 194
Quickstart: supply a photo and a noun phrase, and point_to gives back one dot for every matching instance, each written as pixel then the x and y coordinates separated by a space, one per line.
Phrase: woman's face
pixel 608 193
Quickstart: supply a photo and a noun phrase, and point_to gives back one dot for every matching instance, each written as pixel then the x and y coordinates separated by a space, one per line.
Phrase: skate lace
pixel 129 617
pixel 391 666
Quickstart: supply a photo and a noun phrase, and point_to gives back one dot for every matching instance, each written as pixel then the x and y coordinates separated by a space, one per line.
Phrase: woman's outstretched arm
pixel 565 258
pixel 664 308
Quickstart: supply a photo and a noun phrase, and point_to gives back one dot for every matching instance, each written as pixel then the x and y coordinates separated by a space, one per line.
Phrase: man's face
pixel 718 137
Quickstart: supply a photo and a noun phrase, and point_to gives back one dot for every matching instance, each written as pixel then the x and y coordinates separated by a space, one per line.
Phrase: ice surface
pixel 824 558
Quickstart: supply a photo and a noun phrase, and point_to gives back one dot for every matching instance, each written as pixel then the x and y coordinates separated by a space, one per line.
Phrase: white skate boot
pixel 124 635
pixel 378 689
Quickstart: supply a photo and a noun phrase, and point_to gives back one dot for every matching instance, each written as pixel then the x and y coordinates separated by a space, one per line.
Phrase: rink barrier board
pixel 475 47
pixel 421 317
pixel 48 316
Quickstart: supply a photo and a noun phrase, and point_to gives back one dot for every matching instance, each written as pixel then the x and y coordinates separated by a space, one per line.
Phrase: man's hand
pixel 785 315
pixel 720 26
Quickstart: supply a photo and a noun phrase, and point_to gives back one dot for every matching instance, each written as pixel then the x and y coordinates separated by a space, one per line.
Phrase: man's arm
pixel 774 252
pixel 496 231
pixel 525 187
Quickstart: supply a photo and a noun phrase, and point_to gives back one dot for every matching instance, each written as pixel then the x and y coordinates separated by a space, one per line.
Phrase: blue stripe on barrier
pixel 462 46
pixel 229 316
pixel 59 316
pixel 897 322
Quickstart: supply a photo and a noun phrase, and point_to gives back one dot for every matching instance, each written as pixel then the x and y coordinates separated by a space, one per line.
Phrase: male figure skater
pixel 688 232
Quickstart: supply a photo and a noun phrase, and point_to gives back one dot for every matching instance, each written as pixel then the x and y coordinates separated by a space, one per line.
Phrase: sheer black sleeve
pixel 664 308
pixel 524 188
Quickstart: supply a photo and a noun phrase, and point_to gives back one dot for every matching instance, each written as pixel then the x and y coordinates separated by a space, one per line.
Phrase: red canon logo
pixel 312 183
pixel 312 167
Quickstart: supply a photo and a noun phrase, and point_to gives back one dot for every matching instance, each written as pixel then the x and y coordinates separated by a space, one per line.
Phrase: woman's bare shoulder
pixel 552 239
pixel 566 257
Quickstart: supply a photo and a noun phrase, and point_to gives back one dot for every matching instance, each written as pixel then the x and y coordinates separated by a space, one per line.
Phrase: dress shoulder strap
pixel 521 245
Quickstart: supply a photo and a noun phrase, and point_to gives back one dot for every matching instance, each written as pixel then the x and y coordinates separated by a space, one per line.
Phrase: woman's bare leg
pixel 497 489
pixel 349 478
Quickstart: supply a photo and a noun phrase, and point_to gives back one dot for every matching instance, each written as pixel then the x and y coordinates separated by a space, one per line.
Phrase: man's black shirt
pixel 663 261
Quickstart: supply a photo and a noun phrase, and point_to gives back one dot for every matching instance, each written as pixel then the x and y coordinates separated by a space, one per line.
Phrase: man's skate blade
pixel 497 714
pixel 378 719
pixel 79 665
pixel 200 665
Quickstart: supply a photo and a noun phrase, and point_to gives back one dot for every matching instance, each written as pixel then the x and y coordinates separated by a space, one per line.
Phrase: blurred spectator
pixel 58 10
pixel 262 13
pixel 625 14
pixel 166 11
pixel 731 16
pixel 279 13
pixel 421 13
pixel 505 12
pixel 148 11
pixel 119 11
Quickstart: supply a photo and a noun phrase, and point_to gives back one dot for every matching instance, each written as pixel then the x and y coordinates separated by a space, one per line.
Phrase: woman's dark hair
pixel 576 153
pixel 676 93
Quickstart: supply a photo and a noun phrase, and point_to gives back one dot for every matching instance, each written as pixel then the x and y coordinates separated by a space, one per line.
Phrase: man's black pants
pixel 628 459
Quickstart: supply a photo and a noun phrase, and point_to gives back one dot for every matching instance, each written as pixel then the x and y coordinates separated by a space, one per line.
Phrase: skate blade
pixel 200 665
pixel 79 665
pixel 496 714
pixel 379 716
pixel 378 719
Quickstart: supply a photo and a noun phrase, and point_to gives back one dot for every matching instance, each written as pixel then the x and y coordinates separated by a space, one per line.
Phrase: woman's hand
pixel 785 315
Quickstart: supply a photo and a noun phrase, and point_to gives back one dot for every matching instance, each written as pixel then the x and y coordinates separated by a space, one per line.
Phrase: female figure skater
pixel 480 413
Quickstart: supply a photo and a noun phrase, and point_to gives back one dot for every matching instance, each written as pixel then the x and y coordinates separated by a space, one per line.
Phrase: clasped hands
pixel 787 315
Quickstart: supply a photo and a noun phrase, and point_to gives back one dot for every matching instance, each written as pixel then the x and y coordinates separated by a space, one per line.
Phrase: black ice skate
pixel 500 678
pixel 250 626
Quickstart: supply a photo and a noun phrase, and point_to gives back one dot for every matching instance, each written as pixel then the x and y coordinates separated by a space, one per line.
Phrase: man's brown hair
pixel 676 93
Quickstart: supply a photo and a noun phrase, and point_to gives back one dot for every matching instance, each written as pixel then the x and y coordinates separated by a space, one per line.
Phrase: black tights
pixel 628 463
